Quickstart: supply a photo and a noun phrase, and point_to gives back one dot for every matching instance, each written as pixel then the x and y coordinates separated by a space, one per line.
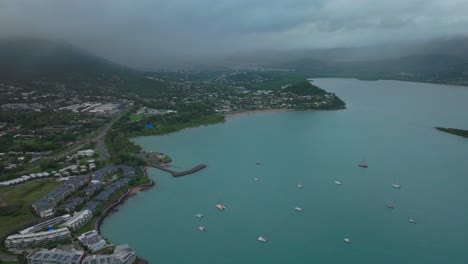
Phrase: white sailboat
pixel 298 208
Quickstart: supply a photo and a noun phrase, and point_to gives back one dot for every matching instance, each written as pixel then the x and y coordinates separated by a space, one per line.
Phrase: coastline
pixel 251 112
pixel 131 192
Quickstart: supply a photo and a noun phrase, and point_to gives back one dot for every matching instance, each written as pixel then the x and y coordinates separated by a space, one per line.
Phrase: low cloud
pixel 150 33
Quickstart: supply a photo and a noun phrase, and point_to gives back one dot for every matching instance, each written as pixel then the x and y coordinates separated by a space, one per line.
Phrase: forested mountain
pixel 22 59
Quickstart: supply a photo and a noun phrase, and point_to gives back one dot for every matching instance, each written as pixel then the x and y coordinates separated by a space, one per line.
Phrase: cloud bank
pixel 146 33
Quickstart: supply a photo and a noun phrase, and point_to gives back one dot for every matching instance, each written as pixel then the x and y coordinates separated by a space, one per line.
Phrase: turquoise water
pixel 390 123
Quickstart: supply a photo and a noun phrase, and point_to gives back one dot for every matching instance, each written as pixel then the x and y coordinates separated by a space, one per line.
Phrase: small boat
pixel 256 179
pixel 389 205
pixel 411 220
pixel 396 186
pixel 202 228
pixel 338 183
pixel 300 186
pixel 262 239
pixel 220 206
pixel 258 162
pixel 348 240
pixel 298 209
pixel 363 164
pixel 199 215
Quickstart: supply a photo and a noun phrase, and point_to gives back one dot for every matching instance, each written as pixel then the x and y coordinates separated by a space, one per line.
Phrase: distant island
pixel 455 131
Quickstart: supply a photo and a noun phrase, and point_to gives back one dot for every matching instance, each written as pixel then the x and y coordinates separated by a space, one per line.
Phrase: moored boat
pixel 262 239
pixel 363 164
pixel 389 205
pixel 202 228
pixel 411 220
pixel 300 186
pixel 298 209
pixel 199 215
pixel 220 206
pixel 338 183
pixel 347 240
pixel 396 186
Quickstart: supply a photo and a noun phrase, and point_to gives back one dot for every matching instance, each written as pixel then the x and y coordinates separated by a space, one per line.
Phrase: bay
pixel 389 123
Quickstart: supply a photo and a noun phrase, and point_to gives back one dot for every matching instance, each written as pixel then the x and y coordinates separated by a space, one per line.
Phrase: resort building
pixel 32 240
pixel 46 224
pixel 123 254
pixel 78 220
pixel 92 240
pixel 45 206
pixel 55 256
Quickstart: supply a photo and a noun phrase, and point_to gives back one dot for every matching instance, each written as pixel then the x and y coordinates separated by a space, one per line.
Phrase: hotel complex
pixel 37 239
pixel 55 257
pixel 78 220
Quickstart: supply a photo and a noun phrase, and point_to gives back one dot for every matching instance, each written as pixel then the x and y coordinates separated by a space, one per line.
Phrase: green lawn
pixel 136 118
pixel 8 262
pixel 20 199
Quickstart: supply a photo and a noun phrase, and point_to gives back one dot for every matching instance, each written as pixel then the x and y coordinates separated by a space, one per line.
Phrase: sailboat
pixel 363 164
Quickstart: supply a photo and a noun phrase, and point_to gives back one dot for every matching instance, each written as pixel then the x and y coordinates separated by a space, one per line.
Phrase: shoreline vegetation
pixel 454 131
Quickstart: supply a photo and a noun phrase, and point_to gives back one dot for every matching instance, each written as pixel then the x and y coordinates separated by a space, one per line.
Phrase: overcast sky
pixel 140 31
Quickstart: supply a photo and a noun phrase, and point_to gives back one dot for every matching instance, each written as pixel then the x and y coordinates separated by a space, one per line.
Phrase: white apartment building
pixel 31 240
pixel 78 220
pixel 92 240
pixel 123 254
pixel 45 224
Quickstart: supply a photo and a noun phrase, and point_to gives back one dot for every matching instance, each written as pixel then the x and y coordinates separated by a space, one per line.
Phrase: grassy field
pixel 136 117
pixel 16 203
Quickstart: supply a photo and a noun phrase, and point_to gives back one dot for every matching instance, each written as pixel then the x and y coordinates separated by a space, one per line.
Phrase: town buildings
pixel 123 254
pixel 46 224
pixel 92 240
pixel 45 207
pixel 78 220
pixel 55 256
pixel 31 240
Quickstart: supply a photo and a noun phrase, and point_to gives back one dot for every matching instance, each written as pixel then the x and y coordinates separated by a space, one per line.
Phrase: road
pixel 98 139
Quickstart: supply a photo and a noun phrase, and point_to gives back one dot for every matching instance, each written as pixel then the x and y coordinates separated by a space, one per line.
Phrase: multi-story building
pixel 46 205
pixel 123 254
pixel 55 256
pixel 78 220
pixel 37 239
pixel 45 224
pixel 92 240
